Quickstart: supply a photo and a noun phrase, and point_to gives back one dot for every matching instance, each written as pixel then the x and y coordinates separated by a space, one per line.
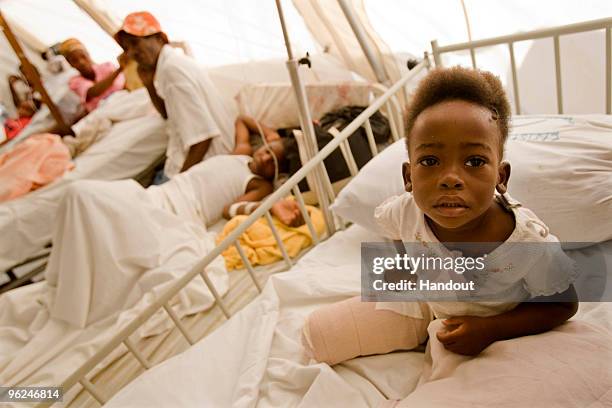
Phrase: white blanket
pixel 256 359
pixel 130 147
pixel 119 107
pixel 114 251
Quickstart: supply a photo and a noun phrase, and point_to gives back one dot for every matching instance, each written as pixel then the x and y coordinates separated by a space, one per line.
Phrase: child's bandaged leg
pixel 352 328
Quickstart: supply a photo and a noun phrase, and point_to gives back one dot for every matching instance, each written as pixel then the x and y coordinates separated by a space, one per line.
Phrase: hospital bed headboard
pixel 199 270
pixel 555 33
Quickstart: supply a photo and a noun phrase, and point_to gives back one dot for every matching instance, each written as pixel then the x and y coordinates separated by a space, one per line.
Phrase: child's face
pixel 455 167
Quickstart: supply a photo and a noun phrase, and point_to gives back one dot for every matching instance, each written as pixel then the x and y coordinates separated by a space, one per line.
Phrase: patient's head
pixel 77 56
pixel 142 38
pixel 456 128
pixel 144 50
pixel 263 161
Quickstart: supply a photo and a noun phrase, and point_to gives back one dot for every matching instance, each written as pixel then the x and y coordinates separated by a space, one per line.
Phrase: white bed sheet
pixel 127 256
pixel 256 358
pixel 130 147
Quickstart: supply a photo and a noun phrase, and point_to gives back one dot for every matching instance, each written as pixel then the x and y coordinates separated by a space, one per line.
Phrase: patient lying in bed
pixel 111 233
pixel 456 129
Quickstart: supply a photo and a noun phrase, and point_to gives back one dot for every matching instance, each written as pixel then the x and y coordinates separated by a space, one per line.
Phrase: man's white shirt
pixel 196 110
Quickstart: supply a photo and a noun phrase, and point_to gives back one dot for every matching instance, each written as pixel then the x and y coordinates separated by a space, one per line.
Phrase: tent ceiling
pixel 221 33
pixel 241 30
pixel 409 26
pixel 49 22
pixel 236 31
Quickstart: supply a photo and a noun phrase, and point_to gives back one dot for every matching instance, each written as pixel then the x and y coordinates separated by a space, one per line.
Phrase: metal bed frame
pixel 386 101
pixel 555 33
pixel 145 177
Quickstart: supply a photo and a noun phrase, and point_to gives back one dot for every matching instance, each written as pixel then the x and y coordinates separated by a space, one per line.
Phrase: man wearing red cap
pixel 200 125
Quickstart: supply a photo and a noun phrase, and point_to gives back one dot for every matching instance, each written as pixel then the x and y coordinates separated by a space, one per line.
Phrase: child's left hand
pixel 466 335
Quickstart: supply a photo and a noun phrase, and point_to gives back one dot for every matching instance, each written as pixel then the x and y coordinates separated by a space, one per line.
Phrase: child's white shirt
pixel 511 271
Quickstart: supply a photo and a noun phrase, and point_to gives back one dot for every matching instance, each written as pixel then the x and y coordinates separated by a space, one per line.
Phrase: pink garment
pixel 33 163
pixel 12 127
pixel 81 85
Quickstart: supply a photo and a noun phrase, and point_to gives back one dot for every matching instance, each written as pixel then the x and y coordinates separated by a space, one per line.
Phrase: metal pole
pixel 608 69
pixel 531 35
pixel 359 32
pixel 305 121
pixel 436 53
pixel 469 33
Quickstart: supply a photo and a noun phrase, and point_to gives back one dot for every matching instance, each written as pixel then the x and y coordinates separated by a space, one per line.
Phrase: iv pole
pixel 306 123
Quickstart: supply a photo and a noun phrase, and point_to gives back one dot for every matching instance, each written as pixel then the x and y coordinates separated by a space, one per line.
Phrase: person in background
pixel 26 104
pixel 246 126
pixel 200 125
pixel 94 82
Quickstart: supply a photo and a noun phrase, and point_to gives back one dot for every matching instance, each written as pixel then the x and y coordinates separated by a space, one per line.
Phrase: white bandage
pixel 249 207
pixel 234 208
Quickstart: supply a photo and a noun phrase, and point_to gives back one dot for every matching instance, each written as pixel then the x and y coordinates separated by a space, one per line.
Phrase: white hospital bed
pixel 134 145
pixel 256 358
pixel 130 147
pixel 243 284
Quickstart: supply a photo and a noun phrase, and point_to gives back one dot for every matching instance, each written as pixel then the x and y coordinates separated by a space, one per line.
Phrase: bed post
pixel 306 123
pixel 608 69
pixel 558 74
pixel 436 53
pixel 33 76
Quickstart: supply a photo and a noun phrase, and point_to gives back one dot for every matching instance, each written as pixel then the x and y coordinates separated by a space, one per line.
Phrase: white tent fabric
pixel 332 31
pixel 241 30
pixel 38 24
pixel 106 18
pixel 41 23
pixel 219 33
pixel 329 25
pixel 582 75
pixel 406 27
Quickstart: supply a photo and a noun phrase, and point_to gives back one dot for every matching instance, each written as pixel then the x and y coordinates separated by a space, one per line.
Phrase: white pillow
pixel 276 106
pixel 561 170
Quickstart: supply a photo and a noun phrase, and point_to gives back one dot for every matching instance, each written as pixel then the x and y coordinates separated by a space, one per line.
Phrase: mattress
pixel 256 358
pixel 130 147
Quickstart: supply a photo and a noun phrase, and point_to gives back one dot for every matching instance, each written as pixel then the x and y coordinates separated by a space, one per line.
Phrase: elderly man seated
pixel 200 125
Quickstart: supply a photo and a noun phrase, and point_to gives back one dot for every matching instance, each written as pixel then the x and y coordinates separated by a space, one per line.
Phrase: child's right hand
pixel 466 335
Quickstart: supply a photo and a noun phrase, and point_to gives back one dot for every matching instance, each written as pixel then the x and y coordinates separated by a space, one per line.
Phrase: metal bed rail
pixel 162 302
pixel 555 33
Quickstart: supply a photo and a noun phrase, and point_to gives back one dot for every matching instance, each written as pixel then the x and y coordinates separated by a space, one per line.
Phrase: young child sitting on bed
pixel 456 184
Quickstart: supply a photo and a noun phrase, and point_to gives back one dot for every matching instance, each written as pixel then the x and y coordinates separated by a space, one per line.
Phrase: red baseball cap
pixel 139 24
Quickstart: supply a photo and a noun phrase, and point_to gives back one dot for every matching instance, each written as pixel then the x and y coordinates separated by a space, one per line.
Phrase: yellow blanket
pixel 259 244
